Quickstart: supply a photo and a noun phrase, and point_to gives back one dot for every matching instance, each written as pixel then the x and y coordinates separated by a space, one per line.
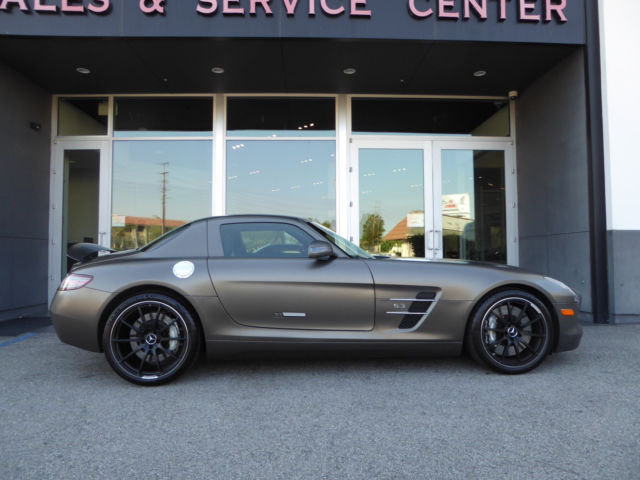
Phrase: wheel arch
pixel 539 294
pixel 140 289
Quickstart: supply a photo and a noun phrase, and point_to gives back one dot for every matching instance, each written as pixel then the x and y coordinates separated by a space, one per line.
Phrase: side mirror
pixel 320 249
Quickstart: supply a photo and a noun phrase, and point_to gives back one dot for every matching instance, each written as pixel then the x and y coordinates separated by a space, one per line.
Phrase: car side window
pixel 264 240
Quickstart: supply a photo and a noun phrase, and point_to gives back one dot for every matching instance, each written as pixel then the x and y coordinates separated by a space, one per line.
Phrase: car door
pixel 264 278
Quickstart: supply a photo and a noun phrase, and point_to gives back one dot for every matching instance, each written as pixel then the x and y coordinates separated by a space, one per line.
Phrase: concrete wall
pixel 619 39
pixel 24 195
pixel 553 197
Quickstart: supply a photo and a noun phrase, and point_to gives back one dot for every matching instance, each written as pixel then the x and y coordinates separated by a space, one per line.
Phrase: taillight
pixel 74 281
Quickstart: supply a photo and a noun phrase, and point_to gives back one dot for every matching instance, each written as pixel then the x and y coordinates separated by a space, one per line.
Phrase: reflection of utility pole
pixel 164 193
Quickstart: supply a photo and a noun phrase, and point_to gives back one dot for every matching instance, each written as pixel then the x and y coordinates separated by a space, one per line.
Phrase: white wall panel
pixel 620 50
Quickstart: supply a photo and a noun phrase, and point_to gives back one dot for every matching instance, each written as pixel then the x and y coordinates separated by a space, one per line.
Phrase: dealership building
pixel 490 130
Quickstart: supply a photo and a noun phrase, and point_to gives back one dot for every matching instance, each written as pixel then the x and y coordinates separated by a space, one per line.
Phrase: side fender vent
pixel 418 309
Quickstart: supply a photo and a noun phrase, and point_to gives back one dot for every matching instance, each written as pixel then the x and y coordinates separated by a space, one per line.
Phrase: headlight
pixel 74 281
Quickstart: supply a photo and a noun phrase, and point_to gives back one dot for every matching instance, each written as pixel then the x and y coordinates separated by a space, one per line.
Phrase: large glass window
pixel 163 117
pixel 392 201
pixel 82 116
pixel 289 177
pixel 158 185
pixel 474 223
pixel 420 116
pixel 281 117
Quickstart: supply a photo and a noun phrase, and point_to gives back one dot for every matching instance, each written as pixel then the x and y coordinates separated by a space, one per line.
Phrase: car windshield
pixel 342 243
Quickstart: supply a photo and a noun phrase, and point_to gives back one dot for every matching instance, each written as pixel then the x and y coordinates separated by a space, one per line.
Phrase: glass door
pixel 391 207
pixel 474 191
pixel 434 199
pixel 79 202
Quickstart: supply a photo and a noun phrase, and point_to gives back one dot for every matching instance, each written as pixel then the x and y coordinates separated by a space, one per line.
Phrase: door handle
pixel 437 236
pixel 430 235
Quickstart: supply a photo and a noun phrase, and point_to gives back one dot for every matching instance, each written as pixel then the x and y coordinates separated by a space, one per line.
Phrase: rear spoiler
pixel 83 252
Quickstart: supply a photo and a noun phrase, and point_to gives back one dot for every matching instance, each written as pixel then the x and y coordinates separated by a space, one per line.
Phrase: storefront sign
pixel 457 205
pixel 523 10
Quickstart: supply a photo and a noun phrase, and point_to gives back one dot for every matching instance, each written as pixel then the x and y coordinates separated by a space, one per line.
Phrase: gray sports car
pixel 268 284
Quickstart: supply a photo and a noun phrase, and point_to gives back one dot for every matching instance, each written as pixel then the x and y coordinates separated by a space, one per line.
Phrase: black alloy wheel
pixel 511 332
pixel 150 339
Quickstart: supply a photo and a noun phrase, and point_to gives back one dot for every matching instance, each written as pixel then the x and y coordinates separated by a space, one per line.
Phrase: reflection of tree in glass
pixel 372 230
pixel 326 223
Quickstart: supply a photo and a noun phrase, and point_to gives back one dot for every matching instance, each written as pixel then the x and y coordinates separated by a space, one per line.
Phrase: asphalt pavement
pixel 66 415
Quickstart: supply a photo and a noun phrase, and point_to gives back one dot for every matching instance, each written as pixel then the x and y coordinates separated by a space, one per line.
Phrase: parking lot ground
pixel 65 414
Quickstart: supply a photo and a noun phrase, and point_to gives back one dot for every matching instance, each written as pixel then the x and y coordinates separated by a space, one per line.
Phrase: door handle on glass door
pixel 437 242
pixel 430 240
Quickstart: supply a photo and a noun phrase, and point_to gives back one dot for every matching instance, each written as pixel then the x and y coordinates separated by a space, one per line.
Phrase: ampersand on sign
pixel 152 6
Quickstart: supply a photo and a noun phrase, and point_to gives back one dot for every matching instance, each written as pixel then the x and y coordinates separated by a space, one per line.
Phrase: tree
pixel 372 231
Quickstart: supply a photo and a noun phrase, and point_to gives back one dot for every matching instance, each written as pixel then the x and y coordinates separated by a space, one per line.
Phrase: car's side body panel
pixel 296 293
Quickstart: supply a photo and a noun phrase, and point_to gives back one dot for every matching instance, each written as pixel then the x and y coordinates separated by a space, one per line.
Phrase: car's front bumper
pixel 76 315
pixel 569 328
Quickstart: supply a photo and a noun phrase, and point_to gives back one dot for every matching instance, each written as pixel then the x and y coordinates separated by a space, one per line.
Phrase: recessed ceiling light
pixel 218 70
pixel 83 70
pixel 349 71
pixel 479 73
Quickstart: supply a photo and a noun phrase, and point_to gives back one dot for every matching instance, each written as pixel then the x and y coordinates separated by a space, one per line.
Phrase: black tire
pixel 510 332
pixel 150 339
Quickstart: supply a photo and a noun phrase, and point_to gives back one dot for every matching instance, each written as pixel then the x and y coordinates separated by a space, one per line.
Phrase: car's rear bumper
pixel 570 330
pixel 75 316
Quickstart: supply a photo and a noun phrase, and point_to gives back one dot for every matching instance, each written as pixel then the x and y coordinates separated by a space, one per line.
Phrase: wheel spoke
pixel 155 354
pixel 136 329
pixel 526 345
pixel 515 347
pixel 496 311
pixel 166 325
pixel 132 352
pixel 142 362
pixel 509 310
pixel 496 342
pixel 522 312
pixel 531 322
pixel 169 339
pixel 125 340
pixel 141 314
pixel 156 320
pixel 167 352
pixel 505 349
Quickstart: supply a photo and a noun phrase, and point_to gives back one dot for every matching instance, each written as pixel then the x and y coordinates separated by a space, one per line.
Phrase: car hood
pixel 451 261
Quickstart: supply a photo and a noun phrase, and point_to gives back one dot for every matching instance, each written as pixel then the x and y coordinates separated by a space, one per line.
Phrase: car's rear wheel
pixel 150 339
pixel 511 332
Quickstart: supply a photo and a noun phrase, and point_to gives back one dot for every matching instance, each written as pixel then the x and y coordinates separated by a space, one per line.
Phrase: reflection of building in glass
pixel 457 205
pixel 406 239
pixel 134 232
pixel 458 232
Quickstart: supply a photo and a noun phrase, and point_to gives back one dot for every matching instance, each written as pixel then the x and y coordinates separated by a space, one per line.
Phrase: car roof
pixel 252 216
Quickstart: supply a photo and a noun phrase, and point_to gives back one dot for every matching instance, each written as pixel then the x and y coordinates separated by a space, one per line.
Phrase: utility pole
pixel 164 174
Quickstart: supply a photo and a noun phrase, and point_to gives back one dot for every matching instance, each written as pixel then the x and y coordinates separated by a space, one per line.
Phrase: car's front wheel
pixel 511 332
pixel 150 339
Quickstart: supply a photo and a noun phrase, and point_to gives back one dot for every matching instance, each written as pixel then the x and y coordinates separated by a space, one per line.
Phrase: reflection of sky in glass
pixel 391 184
pixel 286 178
pixel 137 179
pixel 457 174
